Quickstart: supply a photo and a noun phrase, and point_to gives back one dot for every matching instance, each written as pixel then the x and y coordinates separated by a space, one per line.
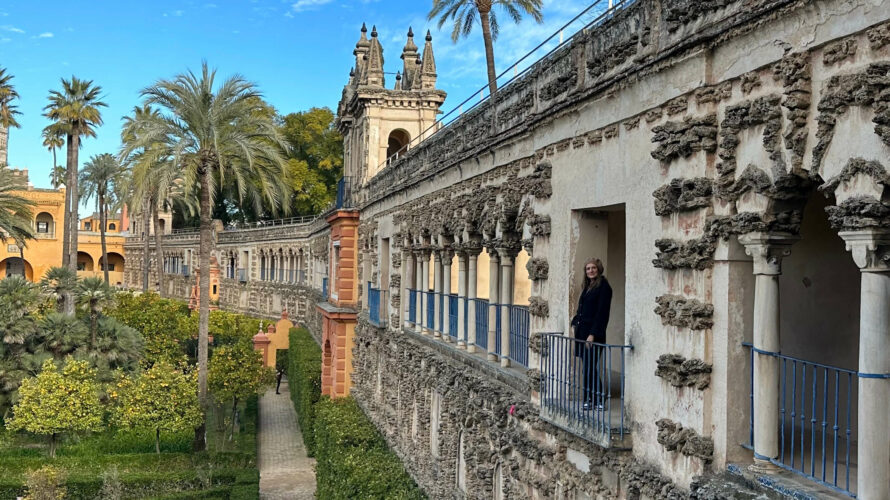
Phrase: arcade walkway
pixel 286 473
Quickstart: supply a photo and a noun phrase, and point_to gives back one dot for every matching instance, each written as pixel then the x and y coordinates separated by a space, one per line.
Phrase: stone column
pixel 437 289
pixel 507 255
pixel 767 250
pixel 871 249
pixel 418 287
pixel 425 280
pixel 406 283
pixel 461 298
pixel 494 287
pixel 472 276
pixel 447 254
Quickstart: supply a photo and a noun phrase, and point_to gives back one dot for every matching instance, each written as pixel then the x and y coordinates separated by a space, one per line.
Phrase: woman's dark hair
pixel 588 283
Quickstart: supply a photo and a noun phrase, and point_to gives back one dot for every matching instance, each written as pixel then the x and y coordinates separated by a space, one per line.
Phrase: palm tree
pixel 94 294
pixel 215 134
pixel 464 14
pixel 54 139
pixel 75 111
pixel 8 112
pixel 97 179
pixel 59 283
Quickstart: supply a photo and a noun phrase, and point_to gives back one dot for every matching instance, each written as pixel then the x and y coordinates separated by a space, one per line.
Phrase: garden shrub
pixel 304 379
pixel 352 459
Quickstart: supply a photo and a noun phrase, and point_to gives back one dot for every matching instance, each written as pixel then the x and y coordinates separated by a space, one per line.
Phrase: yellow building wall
pixel 45 251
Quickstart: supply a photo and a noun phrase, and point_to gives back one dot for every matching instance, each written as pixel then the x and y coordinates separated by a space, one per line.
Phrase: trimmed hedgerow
pixel 352 459
pixel 304 379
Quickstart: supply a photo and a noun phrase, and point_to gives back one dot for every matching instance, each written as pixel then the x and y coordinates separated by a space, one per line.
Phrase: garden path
pixel 286 473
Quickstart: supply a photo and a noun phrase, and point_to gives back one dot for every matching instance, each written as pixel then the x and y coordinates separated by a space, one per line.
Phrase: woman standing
pixel 590 327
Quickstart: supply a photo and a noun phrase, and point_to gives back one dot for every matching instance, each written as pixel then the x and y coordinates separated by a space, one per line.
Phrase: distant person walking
pixel 590 323
pixel 278 377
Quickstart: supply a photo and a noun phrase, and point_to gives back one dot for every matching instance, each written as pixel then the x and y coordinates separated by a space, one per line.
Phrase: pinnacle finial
pixel 429 36
pixel 398 75
pixel 419 61
pixel 374 31
pixel 410 31
pixel 364 28
pixel 352 72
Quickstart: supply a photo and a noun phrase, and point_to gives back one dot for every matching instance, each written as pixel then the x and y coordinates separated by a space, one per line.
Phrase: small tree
pixel 236 373
pixel 46 483
pixel 54 403
pixel 162 398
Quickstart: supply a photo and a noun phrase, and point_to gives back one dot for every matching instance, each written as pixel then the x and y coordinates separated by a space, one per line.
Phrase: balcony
pixel 583 388
pixel 375 303
pixel 818 406
pixel 242 275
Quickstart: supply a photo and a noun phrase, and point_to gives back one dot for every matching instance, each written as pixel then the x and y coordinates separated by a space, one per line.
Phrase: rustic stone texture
pixel 795 73
pixel 838 52
pixel 679 13
pixel 632 123
pixel 750 82
pixel 689 313
pixel 674 437
pixel 682 195
pixel 693 254
pixel 540 225
pixel 677 105
pixel 761 111
pixel 682 372
pixel 538 268
pixel 681 139
pixel 879 37
pixel 395 375
pixel 713 94
pixel 866 88
pixel 538 306
pixel 859 212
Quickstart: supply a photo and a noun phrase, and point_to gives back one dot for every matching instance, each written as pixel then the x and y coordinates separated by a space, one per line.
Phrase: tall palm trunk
pixel 208 160
pixel 66 243
pixel 146 251
pixel 489 60
pixel 103 220
pixel 73 147
pixel 159 251
pixel 4 145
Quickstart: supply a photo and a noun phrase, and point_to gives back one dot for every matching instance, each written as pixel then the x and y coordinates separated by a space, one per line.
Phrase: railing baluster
pixel 781 410
pixel 803 417
pixel 793 406
pixel 849 432
pixel 837 383
pixel 824 415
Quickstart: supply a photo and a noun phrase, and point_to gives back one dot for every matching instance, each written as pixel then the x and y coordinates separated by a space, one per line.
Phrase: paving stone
pixel 286 473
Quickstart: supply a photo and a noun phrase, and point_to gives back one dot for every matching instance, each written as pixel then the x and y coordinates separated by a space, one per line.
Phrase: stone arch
pixel 397 143
pixel 461 465
pixel 45 225
pixel 116 262
pixel 84 262
pixel 16 266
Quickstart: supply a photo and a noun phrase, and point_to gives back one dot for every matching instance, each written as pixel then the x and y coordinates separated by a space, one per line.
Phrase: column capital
pixel 508 253
pixel 870 248
pixel 445 255
pixel 768 250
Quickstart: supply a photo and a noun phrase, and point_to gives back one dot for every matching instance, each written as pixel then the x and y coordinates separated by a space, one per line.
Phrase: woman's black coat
pixel 593 312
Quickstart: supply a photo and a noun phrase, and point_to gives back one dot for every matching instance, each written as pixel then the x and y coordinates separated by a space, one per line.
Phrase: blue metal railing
pixel 817 405
pixel 374 305
pixel 519 323
pixel 583 386
pixel 481 320
pixel 324 288
pixel 430 310
pixel 412 306
pixel 185 270
pixel 452 315
pixel 443 328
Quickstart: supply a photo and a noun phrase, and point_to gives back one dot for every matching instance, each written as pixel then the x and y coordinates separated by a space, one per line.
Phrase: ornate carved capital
pixel 768 250
pixel 507 254
pixel 870 248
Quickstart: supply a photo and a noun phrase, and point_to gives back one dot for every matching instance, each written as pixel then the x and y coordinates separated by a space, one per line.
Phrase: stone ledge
pixel 515 378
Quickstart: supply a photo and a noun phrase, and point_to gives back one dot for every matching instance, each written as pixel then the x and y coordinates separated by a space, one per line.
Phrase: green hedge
pixel 304 378
pixel 352 459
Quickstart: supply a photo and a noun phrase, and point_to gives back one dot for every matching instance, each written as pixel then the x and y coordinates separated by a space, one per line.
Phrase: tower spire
pixel 428 68
pixel 409 58
pixel 361 56
pixel 375 61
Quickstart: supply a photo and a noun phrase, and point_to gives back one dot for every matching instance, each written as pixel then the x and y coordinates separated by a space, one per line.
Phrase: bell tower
pixel 379 124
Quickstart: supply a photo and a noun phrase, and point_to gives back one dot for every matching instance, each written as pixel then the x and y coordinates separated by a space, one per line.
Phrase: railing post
pixel 447 255
pixel 768 250
pixel 437 290
pixel 867 247
pixel 407 283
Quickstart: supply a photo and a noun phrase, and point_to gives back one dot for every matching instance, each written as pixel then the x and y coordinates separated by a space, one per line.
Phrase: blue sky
pixel 299 52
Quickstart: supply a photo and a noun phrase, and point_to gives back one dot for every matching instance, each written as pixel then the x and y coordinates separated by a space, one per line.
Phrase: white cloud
pixel 210 6
pixel 4 40
pixel 11 29
pixel 48 34
pixel 303 5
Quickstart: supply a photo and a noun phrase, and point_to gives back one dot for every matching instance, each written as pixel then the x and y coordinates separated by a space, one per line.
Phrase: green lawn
pixel 226 471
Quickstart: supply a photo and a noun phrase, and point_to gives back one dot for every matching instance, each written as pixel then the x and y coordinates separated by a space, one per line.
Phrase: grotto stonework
pixel 703 150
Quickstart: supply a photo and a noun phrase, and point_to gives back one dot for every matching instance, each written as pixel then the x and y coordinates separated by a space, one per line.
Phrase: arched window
pixel 112 226
pixel 45 225
pixel 397 144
